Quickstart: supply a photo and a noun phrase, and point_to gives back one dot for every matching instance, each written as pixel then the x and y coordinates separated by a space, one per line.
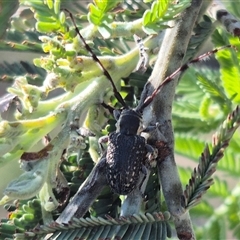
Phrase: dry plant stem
pixel 219 12
pixel 86 194
pixel 133 201
pixel 170 57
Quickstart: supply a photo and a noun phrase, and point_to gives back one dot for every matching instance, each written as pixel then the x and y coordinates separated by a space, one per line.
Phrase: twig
pixel 219 12
pixel 86 194
pixel 169 59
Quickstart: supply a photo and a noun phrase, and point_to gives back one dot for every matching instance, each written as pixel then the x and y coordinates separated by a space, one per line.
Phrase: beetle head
pixel 129 122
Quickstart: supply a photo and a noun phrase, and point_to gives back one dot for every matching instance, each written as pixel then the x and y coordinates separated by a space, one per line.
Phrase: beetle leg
pixel 151 128
pixel 151 156
pixel 143 182
pixel 101 140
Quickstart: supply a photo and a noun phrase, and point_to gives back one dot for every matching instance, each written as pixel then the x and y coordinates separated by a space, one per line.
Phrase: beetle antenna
pixel 95 58
pixel 183 68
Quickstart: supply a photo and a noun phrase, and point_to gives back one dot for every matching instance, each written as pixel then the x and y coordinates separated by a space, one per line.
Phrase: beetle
pixel 127 152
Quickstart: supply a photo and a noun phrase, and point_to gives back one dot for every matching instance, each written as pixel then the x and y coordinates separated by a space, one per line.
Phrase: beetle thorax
pixel 129 122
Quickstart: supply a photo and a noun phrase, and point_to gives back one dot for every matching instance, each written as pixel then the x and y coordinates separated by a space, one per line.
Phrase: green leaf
pixel 229 62
pixel 203 209
pixel 201 31
pixel 99 11
pixel 217 230
pixel 23 216
pixel 204 108
pixel 232 6
pixel 233 215
pixel 147 1
pixel 158 10
pixel 160 13
pixel 211 87
pixel 184 174
pixel 229 163
pixel 149 226
pixel 219 188
pixel 188 146
pixel 106 6
pixel 215 103
pixel 46 27
pixel 7 10
pixel 32 73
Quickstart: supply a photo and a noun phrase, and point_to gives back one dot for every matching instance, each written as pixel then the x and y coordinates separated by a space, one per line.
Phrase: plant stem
pixel 170 58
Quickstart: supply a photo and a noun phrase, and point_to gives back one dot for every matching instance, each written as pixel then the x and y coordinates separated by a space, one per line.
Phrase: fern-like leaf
pixel 149 226
pixel 201 177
